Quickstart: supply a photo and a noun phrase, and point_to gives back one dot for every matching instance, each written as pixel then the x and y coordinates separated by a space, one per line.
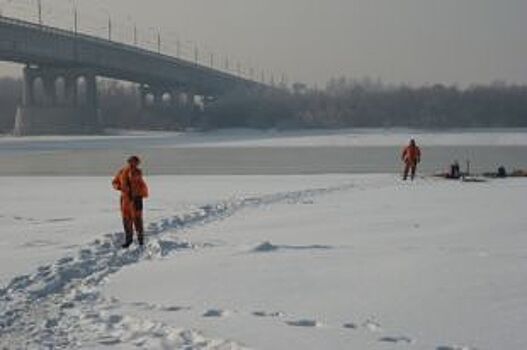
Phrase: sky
pixel 398 41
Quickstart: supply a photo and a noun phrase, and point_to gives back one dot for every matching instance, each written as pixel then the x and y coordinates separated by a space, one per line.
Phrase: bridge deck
pixel 29 43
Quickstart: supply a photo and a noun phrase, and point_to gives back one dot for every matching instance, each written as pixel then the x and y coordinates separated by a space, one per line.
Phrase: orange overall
pixel 411 156
pixel 129 181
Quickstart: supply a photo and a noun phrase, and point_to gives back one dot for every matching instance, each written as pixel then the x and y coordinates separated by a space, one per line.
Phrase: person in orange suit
pixel 411 156
pixel 129 181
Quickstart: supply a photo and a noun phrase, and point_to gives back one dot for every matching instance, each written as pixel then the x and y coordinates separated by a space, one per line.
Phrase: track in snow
pixel 60 306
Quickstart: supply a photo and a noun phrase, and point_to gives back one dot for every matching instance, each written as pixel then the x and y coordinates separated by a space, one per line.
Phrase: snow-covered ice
pixel 266 262
pixel 274 138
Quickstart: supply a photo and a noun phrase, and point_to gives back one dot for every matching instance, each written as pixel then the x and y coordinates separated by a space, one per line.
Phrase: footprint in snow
pixel 350 325
pixel 114 319
pixel 140 342
pixel 38 243
pixel 109 340
pixel 57 220
pixel 141 304
pixel 267 247
pixel 175 308
pixel 67 305
pixel 372 326
pixel 64 261
pixel 304 323
pixel 395 340
pixel 267 314
pixel 217 313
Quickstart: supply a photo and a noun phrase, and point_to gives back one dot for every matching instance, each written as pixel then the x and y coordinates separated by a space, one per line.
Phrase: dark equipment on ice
pixel 455 171
pixel 501 172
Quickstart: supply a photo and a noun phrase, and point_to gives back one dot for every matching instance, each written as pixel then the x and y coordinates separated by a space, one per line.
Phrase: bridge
pixel 66 65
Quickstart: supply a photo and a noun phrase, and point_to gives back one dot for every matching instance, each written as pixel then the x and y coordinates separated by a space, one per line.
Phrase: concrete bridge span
pixel 54 55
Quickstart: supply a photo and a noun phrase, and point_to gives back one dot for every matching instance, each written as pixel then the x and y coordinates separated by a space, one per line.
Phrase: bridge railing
pixel 121 46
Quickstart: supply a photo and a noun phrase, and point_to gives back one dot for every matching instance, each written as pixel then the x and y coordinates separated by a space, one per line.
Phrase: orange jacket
pixel 132 186
pixel 411 155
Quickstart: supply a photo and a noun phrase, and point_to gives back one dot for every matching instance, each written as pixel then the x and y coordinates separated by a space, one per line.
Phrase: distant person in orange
pixel 411 156
pixel 129 181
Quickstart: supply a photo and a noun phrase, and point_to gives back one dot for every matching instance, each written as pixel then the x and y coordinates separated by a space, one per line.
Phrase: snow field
pixel 338 262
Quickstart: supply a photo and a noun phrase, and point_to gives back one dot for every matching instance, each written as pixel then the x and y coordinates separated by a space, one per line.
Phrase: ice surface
pixel 275 138
pixel 266 262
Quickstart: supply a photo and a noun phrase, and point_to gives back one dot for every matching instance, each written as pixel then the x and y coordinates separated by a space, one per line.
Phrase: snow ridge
pixel 59 306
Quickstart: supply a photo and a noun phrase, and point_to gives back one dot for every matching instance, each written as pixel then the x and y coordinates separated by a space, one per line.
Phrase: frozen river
pixel 265 262
pixel 336 261
pixel 248 152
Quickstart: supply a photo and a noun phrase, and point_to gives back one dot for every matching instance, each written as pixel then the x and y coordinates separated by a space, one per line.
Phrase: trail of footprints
pixel 369 325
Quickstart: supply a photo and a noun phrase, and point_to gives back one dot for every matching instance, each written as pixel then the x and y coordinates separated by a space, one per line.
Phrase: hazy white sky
pixel 413 41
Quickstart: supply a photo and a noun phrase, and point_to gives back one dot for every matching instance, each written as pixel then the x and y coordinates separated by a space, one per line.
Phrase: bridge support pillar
pixel 164 107
pixel 58 101
pixel 176 101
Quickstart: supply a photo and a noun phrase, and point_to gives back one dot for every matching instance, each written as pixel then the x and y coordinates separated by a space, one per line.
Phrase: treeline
pixel 342 103
pixel 365 103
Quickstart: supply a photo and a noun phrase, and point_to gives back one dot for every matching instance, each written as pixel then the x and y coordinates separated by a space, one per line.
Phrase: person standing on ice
pixel 129 181
pixel 411 156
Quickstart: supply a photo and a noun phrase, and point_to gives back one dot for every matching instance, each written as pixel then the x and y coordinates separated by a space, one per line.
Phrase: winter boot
pixel 127 224
pixel 138 222
pixel 128 242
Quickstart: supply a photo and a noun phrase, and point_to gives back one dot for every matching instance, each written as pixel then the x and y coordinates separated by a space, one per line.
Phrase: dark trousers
pixel 410 167
pixel 134 224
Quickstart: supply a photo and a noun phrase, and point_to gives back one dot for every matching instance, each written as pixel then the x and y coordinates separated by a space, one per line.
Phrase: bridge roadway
pixel 24 42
